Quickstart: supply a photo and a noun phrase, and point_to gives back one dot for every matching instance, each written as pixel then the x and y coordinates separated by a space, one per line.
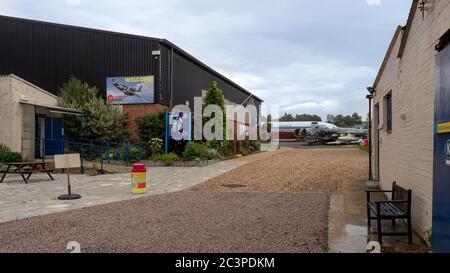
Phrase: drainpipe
pixel 370 97
pixel 171 77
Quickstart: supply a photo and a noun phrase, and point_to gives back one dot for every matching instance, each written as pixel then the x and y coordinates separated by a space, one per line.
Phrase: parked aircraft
pixel 128 91
pixel 316 132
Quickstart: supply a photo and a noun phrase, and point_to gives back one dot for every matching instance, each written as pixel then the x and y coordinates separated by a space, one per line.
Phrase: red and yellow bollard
pixel 139 178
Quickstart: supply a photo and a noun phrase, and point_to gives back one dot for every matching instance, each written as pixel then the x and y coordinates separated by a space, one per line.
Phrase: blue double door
pixel 441 164
pixel 49 136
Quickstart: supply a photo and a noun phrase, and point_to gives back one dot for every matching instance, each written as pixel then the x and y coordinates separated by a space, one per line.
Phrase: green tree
pixel 339 121
pixel 214 96
pixel 307 117
pixel 345 121
pixel 357 119
pixel 330 118
pixel 101 120
pixel 287 117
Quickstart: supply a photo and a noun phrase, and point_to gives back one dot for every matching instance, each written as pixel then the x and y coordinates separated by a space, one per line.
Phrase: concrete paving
pixel 39 197
pixel 347 227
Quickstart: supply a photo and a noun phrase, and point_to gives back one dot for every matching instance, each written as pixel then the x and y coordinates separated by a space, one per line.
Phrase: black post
pixel 81 144
pixel 370 139
pixel 370 97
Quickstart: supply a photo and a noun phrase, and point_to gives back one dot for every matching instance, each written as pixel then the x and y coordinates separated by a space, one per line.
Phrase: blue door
pixel 54 136
pixel 441 166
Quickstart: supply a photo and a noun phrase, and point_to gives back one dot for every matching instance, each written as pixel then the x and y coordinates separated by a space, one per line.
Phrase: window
pixel 388 107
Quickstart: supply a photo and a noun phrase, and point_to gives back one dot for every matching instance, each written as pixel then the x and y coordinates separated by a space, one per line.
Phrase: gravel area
pixel 301 170
pixel 186 221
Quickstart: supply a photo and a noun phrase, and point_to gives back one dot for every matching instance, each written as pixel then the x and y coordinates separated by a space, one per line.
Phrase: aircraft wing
pixel 352 131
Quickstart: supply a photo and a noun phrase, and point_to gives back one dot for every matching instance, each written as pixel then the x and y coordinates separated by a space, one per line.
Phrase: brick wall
pixel 134 111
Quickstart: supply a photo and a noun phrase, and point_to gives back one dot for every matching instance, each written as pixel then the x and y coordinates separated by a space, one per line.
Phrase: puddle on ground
pixel 353 240
pixel 354 230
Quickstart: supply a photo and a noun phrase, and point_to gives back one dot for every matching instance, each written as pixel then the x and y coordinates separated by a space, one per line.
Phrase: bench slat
pixel 387 209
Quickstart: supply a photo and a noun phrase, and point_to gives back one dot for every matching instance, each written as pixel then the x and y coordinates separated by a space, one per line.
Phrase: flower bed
pixel 180 163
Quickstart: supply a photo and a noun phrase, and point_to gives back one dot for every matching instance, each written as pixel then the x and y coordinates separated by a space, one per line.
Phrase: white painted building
pixel 30 118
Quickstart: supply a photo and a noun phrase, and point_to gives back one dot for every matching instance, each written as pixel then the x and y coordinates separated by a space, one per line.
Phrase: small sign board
pixel 67 161
pixel 179 126
pixel 443 128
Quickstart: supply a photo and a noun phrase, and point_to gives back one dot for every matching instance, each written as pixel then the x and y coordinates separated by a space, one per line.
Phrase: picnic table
pixel 26 168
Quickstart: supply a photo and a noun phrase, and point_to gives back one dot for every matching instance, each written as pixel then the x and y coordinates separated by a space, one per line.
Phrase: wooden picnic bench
pixel 26 168
pixel 399 207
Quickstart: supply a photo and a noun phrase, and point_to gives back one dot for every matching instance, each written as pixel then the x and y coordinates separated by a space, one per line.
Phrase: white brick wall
pixel 406 154
pixel 17 120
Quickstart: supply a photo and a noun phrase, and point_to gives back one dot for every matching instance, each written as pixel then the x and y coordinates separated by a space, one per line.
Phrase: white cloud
pixel 8 6
pixel 374 2
pixel 73 2
pixel 301 60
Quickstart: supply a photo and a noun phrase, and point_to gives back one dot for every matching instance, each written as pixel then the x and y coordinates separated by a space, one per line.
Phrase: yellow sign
pixel 443 128
pixel 138 79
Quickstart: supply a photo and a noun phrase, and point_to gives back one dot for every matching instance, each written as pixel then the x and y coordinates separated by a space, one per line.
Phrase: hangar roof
pixel 161 41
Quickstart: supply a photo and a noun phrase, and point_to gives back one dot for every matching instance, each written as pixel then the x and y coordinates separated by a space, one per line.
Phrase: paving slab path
pixel 19 200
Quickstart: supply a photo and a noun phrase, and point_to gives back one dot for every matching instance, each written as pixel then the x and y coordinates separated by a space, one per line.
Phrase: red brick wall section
pixel 134 111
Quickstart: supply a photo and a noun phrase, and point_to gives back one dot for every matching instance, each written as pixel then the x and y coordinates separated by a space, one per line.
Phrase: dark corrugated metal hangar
pixel 47 54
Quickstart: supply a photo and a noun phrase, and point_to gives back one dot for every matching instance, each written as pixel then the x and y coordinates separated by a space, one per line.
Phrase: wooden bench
pixel 26 168
pixel 399 207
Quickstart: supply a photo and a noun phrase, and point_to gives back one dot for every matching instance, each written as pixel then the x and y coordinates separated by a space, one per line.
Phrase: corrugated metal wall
pixel 48 54
pixel 189 79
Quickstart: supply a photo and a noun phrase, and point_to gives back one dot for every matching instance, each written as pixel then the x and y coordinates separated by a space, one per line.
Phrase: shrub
pixel 152 126
pixel 155 146
pixel 212 154
pixel 245 151
pixel 254 146
pixel 134 154
pixel 227 148
pixel 168 159
pixel 195 151
pixel 6 155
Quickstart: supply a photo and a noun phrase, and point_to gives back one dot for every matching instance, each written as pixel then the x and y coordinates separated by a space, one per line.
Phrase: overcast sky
pixel 308 56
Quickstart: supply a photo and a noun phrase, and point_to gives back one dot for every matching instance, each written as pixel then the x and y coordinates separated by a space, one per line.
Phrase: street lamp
pixel 370 97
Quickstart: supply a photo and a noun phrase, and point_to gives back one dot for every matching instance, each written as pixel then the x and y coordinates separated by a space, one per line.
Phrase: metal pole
pixel 171 77
pixel 370 136
pixel 101 158
pixel 108 147
pixel 81 146
pixel 126 154
pixel 166 135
